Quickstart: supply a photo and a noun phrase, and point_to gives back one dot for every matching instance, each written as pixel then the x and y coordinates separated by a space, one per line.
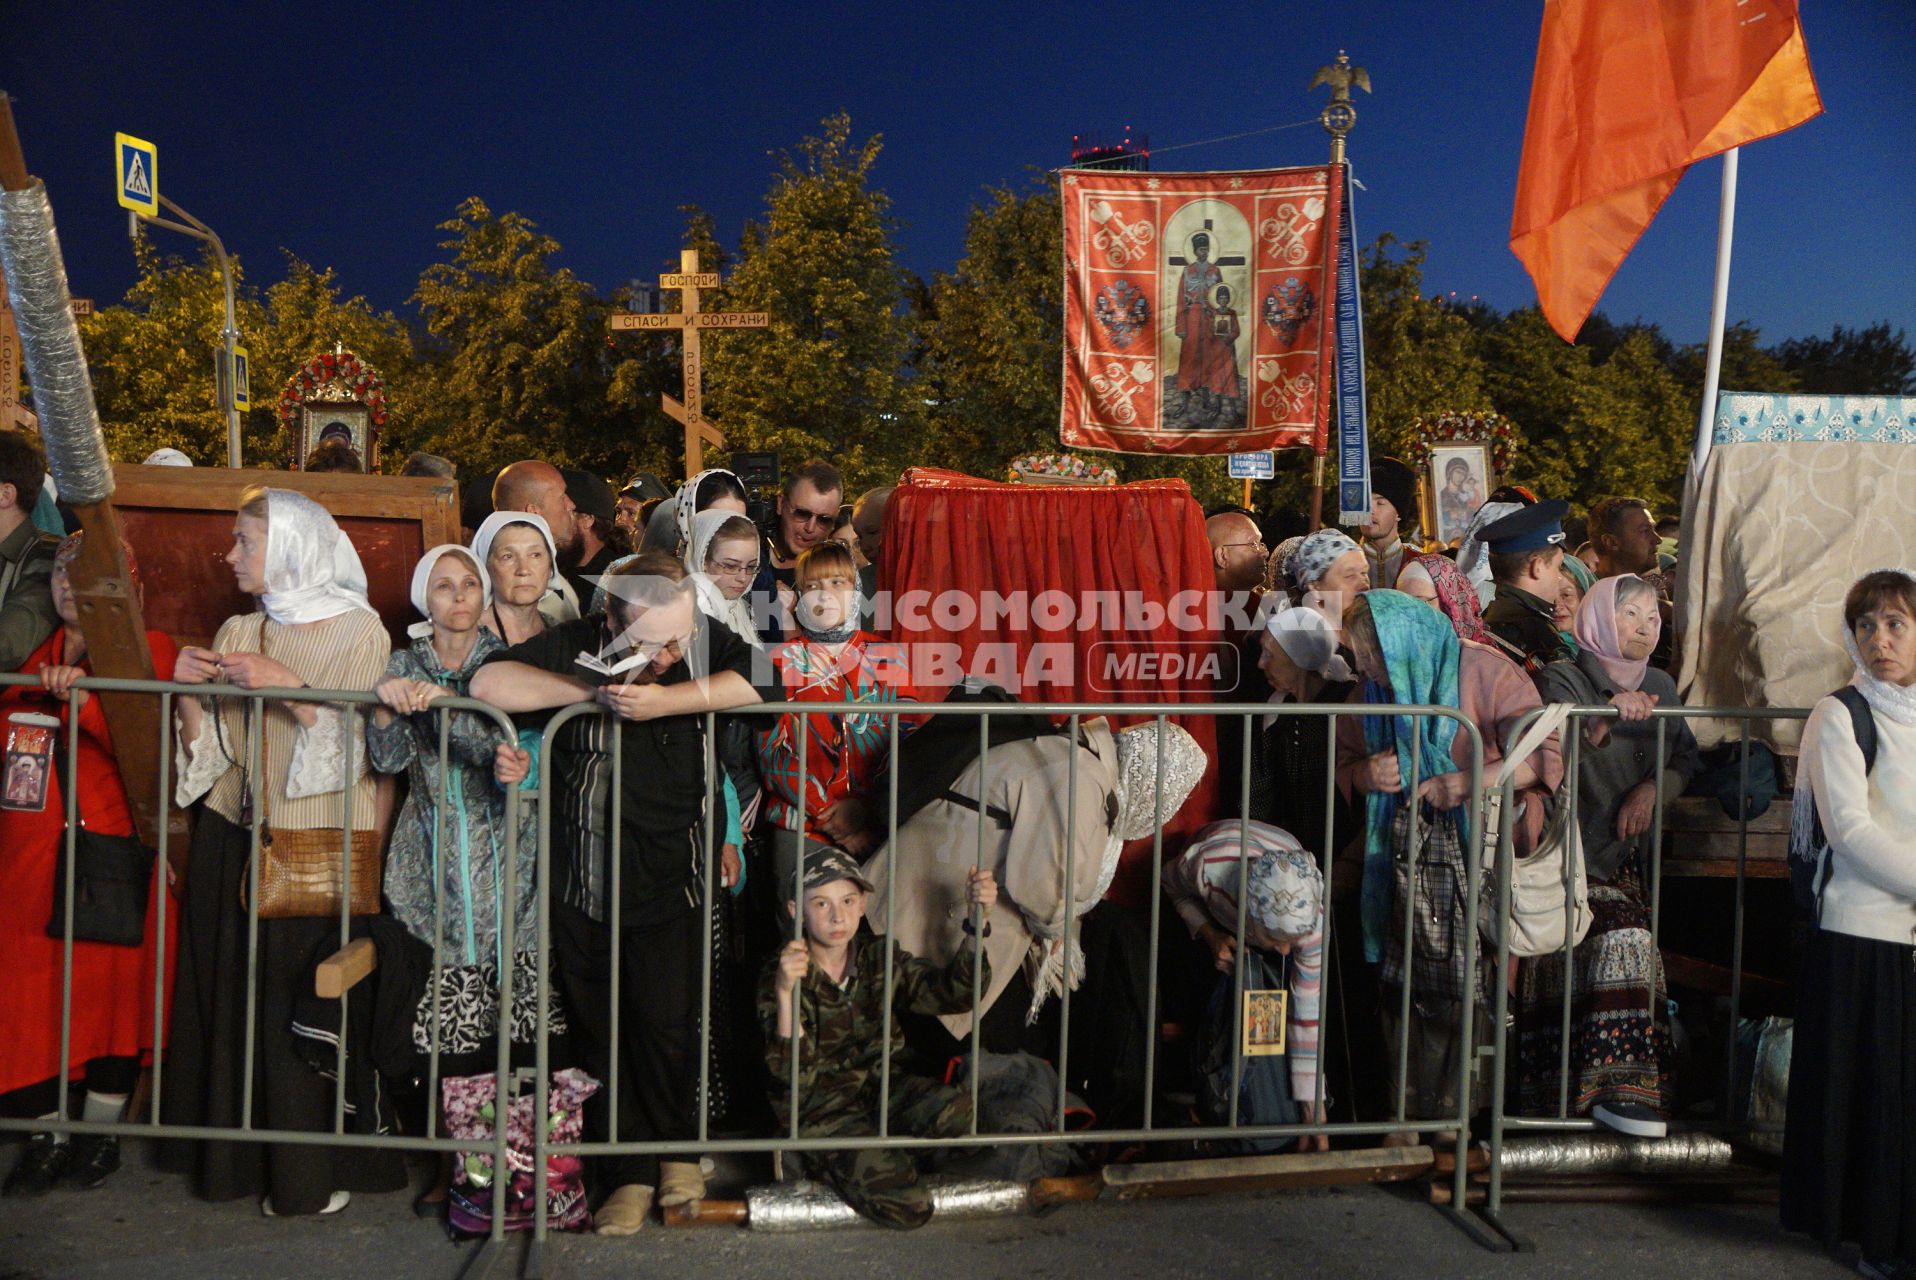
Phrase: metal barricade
pixel 794 1140
pixel 352 705
pixel 1502 1121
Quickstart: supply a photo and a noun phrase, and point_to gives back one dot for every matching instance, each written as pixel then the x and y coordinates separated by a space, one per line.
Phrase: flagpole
pixel 1719 303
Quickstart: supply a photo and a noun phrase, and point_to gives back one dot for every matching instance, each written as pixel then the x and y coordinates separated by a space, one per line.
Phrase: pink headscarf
pixel 1595 628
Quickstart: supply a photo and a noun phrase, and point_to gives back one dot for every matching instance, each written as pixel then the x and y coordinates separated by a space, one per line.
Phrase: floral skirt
pixel 1621 1050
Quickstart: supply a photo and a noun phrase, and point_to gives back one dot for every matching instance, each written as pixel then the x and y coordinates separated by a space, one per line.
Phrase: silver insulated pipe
pixel 806 1206
pixel 50 338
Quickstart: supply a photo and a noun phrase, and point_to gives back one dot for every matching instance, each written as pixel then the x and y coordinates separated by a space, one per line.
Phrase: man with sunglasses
pixel 807 512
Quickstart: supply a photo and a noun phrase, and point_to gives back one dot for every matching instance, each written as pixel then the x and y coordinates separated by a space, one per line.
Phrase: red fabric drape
pixel 947 532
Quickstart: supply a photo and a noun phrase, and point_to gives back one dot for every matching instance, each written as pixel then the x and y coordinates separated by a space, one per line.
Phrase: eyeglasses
pixel 800 515
pixel 1258 543
pixel 735 568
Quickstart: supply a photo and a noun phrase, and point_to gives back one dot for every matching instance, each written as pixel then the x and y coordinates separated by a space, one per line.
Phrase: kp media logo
pixel 1163 668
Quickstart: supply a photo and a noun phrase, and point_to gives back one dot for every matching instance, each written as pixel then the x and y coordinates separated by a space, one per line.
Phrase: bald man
pixel 1237 551
pixel 539 487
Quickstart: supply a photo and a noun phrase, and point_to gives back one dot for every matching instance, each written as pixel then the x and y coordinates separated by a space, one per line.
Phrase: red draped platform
pixel 1110 550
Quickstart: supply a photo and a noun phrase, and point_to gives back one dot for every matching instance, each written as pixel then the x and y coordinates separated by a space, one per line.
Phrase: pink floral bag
pixel 471 1113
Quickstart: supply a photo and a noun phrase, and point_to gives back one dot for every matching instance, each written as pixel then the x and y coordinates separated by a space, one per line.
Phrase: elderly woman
pixel 1621 1053
pixel 1578 579
pixel 516 551
pixel 1850 1137
pixel 1439 583
pixel 1284 937
pixel 112 1016
pixel 445 871
pixel 1408 653
pixel 1328 571
pixel 310 630
pixel 1297 652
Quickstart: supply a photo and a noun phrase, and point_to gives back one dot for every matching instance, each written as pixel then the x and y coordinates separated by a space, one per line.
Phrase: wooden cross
pixel 690 282
pixel 12 412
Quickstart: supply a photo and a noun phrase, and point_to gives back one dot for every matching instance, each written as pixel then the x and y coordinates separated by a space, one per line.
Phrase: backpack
pixel 1810 864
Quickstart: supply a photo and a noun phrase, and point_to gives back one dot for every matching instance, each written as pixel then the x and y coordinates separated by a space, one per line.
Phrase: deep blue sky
pixel 346 131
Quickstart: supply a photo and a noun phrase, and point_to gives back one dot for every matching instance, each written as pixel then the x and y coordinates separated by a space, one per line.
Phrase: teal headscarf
pixel 1585 577
pixel 1421 655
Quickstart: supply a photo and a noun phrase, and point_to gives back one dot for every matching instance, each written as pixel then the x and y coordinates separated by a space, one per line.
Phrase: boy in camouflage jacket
pixel 838 975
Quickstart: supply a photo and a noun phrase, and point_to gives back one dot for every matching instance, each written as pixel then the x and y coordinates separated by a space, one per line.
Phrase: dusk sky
pixel 344 132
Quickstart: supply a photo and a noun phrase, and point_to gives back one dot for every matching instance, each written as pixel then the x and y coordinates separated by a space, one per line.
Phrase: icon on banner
pixel 137 167
pixel 242 395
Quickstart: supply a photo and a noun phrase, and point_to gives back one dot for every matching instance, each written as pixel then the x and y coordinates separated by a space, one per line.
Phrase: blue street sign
pixel 137 167
pixel 1254 466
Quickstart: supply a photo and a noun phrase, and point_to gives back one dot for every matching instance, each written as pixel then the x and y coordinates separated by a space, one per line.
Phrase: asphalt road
pixel 144 1224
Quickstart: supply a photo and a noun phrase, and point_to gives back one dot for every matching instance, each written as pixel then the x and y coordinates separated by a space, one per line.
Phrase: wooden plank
pixel 731 320
pixel 1246 1173
pixel 689 280
pixel 341 971
pixel 180 522
pixel 649 320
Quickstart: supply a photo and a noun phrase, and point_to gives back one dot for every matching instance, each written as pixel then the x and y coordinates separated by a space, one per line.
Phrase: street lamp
pixel 229 336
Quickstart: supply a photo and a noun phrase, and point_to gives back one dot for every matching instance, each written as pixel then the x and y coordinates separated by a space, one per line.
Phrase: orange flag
pixel 1627 95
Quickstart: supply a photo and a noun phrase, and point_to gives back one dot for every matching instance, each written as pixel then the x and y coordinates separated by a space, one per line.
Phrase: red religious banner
pixel 1197 309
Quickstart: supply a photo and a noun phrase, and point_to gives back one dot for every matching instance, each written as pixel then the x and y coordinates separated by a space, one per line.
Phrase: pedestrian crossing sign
pixel 137 170
pixel 242 396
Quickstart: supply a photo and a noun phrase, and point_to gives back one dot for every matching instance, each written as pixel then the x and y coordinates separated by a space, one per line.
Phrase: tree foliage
pixel 828 378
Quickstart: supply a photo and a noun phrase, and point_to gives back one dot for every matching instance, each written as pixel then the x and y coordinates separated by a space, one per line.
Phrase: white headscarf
pixel 482 540
pixel 1309 640
pixel 422 578
pixel 305 556
pixel 1473 557
pixel 167 457
pixel 736 614
pixel 685 504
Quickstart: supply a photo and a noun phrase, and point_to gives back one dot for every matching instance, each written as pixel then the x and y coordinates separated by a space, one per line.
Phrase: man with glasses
pixel 807 513
pixel 1237 550
pixel 657 664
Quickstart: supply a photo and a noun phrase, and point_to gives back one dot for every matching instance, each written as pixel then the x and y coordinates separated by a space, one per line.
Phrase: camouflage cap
pixel 830 864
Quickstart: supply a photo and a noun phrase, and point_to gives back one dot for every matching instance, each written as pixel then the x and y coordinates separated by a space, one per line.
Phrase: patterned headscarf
pixel 1473 557
pixel 1422 658
pixel 686 504
pixel 1455 595
pixel 1315 555
pixel 1277 575
pixel 1286 895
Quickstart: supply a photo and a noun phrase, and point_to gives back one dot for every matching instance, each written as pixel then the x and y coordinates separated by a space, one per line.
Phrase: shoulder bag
pixel 1537 915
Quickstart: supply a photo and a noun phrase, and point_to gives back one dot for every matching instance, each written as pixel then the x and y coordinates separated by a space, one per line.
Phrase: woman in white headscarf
pixel 310 630
pixel 516 551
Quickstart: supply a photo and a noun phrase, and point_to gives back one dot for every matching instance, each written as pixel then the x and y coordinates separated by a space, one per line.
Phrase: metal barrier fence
pixel 350 703
pixel 355 704
pixel 1573 738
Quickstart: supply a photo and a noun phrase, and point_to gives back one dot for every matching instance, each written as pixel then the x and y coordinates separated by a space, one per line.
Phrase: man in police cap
pixel 1393 514
pixel 1526 563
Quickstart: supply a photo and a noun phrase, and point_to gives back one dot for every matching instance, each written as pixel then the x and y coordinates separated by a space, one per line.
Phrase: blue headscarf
pixel 1421 656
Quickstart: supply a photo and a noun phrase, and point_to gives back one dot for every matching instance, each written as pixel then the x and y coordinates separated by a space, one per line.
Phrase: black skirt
pixel 205 1058
pixel 1849 1142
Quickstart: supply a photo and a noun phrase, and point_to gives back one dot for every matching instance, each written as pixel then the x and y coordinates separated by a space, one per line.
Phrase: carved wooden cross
pixel 12 412
pixel 690 282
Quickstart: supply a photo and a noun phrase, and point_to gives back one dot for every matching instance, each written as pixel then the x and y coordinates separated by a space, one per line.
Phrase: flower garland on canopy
pixel 1483 426
pixel 1061 468
pixel 342 367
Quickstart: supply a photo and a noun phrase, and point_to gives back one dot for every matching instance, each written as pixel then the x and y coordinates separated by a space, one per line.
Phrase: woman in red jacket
pixel 112 1018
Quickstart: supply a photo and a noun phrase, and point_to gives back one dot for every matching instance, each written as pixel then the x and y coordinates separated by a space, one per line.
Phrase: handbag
pixel 299 867
pixel 112 878
pixel 1537 916
pixel 1430 882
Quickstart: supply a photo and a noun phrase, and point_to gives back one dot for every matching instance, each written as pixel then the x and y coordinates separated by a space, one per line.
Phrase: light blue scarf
pixel 1421 656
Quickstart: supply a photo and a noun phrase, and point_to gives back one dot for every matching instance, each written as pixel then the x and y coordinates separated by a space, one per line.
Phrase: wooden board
pixel 180 523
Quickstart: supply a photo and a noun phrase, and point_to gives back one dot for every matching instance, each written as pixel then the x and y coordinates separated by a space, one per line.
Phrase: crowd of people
pixel 615 630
